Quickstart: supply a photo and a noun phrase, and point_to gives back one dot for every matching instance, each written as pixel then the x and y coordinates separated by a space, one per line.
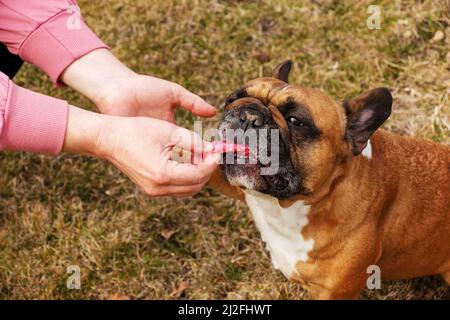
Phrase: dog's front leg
pixel 339 292
pixel 341 276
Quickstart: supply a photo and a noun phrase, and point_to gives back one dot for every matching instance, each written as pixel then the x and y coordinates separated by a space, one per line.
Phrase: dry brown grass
pixel 55 212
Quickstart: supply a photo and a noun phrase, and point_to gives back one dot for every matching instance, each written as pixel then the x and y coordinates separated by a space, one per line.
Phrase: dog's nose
pixel 251 118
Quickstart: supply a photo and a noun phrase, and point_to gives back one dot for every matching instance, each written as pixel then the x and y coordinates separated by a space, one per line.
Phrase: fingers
pixel 187 140
pixel 190 141
pixel 191 102
pixel 187 174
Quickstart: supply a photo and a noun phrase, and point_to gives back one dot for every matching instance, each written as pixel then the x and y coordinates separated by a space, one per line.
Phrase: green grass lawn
pixel 73 210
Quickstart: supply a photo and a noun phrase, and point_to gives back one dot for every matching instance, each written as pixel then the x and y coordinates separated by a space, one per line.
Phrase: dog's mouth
pixel 236 153
pixel 245 166
pixel 245 171
pixel 240 151
pixel 254 154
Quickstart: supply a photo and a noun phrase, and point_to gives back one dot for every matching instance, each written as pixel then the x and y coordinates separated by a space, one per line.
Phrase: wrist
pixel 95 73
pixel 86 133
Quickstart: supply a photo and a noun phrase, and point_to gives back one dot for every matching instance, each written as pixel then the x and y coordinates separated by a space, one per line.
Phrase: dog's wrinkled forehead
pixel 262 89
pixel 276 95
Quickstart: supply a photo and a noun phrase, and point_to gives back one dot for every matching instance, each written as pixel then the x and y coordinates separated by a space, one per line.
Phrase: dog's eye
pixel 295 121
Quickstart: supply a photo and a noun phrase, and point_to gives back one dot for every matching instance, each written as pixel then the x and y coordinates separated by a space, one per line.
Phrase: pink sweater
pixel 51 35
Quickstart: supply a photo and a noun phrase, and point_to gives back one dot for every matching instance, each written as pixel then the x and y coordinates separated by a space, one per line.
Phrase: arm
pixel 50 34
pixel 117 90
pixel 33 122
pixel 30 121
pixel 45 35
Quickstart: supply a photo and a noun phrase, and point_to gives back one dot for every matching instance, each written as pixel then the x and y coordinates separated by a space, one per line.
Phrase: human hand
pixel 116 90
pixel 140 95
pixel 142 148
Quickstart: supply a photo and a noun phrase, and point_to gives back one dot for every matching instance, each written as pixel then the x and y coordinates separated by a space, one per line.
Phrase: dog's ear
pixel 282 71
pixel 365 114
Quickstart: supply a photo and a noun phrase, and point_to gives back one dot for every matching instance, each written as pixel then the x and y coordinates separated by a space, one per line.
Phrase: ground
pixel 74 210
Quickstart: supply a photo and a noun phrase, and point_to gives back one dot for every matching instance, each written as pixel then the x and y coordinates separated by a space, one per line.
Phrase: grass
pixel 73 210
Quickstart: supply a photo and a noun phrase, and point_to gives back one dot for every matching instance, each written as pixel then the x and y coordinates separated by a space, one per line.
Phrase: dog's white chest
pixel 280 229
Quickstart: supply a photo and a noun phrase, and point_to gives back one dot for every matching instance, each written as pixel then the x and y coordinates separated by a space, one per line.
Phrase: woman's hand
pixel 116 90
pixel 141 148
pixel 140 95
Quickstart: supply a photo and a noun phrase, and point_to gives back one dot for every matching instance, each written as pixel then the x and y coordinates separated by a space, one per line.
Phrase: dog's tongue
pixel 226 147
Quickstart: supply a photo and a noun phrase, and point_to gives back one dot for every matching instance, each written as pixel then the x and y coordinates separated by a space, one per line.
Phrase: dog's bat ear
pixel 365 114
pixel 282 71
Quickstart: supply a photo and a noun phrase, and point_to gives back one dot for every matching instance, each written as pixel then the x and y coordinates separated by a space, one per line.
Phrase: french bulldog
pixel 347 196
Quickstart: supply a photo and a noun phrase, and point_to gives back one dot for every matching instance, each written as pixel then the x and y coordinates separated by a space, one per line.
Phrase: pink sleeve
pixel 30 121
pixel 50 34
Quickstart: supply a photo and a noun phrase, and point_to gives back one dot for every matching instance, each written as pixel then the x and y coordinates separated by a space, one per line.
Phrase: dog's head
pixel 316 133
